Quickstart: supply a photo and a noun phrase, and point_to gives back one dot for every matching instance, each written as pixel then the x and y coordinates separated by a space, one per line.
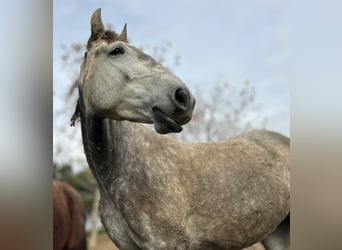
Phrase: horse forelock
pixel 109 36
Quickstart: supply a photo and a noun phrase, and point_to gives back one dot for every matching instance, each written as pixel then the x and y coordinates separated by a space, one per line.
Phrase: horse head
pixel 121 82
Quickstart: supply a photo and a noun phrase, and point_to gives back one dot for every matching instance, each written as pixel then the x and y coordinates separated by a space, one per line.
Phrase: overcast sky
pixel 230 40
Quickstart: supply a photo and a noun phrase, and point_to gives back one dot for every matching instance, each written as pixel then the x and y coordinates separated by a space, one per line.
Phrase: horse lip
pixel 185 121
pixel 163 122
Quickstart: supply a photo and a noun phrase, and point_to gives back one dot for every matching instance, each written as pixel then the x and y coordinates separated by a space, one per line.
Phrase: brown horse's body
pixel 68 218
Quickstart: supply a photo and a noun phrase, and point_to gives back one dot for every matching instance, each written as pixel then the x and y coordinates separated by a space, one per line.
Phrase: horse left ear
pixel 97 27
pixel 123 35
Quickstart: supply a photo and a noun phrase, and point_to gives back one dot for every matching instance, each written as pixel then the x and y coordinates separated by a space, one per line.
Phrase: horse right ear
pixel 123 35
pixel 97 27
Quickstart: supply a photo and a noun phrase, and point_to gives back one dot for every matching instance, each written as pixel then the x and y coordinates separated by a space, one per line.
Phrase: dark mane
pixel 109 36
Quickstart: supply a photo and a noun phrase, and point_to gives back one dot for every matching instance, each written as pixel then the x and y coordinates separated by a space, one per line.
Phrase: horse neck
pixel 108 144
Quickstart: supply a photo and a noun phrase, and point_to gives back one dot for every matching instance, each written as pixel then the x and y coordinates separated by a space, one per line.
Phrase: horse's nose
pixel 181 98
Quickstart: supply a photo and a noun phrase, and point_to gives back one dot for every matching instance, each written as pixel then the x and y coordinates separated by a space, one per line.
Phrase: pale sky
pixel 231 40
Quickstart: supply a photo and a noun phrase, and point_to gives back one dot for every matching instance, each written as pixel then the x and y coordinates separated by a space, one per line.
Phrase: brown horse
pixel 68 218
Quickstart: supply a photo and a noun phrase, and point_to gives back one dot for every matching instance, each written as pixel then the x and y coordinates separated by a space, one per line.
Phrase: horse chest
pixel 128 227
pixel 115 224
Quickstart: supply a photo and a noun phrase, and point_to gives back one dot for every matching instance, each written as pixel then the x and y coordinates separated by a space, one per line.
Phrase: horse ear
pixel 123 35
pixel 97 27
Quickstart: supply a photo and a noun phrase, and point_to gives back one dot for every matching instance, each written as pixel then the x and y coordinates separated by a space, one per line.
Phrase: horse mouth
pixel 163 123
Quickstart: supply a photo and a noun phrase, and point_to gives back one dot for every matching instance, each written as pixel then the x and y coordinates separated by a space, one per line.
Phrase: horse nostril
pixel 182 98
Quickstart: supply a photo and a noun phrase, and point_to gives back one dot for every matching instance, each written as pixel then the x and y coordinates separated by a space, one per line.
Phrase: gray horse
pixel 161 193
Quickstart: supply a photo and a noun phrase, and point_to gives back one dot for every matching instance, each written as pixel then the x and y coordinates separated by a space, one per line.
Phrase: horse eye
pixel 117 51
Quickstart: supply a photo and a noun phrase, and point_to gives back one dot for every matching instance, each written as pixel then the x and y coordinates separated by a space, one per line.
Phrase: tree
pixel 62 172
pixel 223 112
pixel 83 181
pixel 94 216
